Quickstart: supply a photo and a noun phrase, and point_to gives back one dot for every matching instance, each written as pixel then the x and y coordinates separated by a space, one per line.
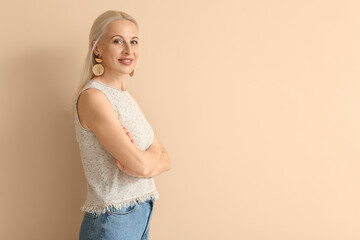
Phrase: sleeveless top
pixel 107 185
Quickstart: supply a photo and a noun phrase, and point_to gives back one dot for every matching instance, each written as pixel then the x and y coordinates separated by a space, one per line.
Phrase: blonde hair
pixel 96 33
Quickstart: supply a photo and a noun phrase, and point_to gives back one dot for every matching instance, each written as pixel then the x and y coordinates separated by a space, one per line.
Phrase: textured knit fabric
pixel 107 185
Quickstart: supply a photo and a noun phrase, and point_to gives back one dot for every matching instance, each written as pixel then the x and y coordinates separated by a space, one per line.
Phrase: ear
pixel 96 49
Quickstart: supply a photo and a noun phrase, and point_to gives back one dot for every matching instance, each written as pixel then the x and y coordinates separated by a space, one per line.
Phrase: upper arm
pixel 97 113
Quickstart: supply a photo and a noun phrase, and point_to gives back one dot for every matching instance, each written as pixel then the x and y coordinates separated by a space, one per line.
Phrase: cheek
pixel 137 55
pixel 112 50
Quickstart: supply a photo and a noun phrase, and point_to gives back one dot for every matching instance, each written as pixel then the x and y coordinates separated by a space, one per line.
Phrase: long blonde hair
pixel 96 33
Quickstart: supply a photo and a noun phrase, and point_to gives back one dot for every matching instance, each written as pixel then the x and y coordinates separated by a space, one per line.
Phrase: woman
pixel 120 151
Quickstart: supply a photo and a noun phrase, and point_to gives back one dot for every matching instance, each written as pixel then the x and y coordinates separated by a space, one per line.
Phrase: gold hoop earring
pixel 132 73
pixel 98 68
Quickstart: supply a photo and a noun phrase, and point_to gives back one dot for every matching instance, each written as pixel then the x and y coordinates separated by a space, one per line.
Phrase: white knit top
pixel 107 185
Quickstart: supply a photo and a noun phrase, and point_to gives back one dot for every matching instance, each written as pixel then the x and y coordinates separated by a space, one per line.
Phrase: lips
pixel 126 61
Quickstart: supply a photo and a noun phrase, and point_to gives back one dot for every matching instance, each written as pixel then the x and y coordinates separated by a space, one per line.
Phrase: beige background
pixel 257 103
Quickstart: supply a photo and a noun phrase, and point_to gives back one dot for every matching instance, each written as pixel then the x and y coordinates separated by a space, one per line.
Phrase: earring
pixel 132 73
pixel 98 68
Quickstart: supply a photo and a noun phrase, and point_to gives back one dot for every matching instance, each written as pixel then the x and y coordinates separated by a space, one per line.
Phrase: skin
pixel 120 40
pixel 163 163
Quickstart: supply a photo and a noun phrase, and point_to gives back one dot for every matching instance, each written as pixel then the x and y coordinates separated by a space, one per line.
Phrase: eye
pixel 118 41
pixel 135 42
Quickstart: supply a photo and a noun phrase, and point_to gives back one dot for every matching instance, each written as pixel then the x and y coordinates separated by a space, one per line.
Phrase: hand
pixel 127 133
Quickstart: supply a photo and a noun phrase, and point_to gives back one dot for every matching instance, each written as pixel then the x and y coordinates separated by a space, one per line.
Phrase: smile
pixel 125 61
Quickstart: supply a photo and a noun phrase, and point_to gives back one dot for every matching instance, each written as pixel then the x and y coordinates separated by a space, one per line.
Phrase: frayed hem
pixel 118 205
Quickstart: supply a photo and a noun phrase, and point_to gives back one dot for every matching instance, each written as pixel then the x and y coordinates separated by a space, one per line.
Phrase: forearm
pixel 151 162
pixel 161 165
pixel 156 164
pixel 144 163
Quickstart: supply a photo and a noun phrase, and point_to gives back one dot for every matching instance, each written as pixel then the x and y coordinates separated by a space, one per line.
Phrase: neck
pixel 113 79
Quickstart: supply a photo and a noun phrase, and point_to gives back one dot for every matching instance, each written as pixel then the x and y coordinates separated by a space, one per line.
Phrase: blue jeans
pixel 129 223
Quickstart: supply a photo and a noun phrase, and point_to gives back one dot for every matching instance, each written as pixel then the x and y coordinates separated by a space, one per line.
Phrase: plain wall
pixel 257 103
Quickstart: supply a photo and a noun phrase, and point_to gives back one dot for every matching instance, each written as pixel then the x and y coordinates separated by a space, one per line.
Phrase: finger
pixel 132 140
pixel 119 165
pixel 128 133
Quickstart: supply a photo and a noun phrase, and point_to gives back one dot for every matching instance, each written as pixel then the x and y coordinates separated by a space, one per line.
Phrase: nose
pixel 126 48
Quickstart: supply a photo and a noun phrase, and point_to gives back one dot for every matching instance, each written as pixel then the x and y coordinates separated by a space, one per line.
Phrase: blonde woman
pixel 119 150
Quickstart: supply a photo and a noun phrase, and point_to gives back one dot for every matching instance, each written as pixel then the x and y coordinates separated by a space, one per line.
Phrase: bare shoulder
pixel 93 105
pixel 91 96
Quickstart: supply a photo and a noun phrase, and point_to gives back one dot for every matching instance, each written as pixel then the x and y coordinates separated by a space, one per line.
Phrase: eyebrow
pixel 122 37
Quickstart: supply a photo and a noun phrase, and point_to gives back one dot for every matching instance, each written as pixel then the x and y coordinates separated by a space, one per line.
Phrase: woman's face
pixel 120 40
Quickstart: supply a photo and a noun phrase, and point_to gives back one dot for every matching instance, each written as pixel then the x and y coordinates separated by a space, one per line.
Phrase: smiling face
pixel 119 47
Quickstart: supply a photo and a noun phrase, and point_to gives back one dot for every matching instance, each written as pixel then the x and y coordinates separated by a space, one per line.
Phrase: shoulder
pixel 93 101
pixel 92 96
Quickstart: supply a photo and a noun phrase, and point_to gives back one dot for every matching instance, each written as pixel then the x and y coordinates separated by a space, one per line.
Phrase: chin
pixel 124 72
